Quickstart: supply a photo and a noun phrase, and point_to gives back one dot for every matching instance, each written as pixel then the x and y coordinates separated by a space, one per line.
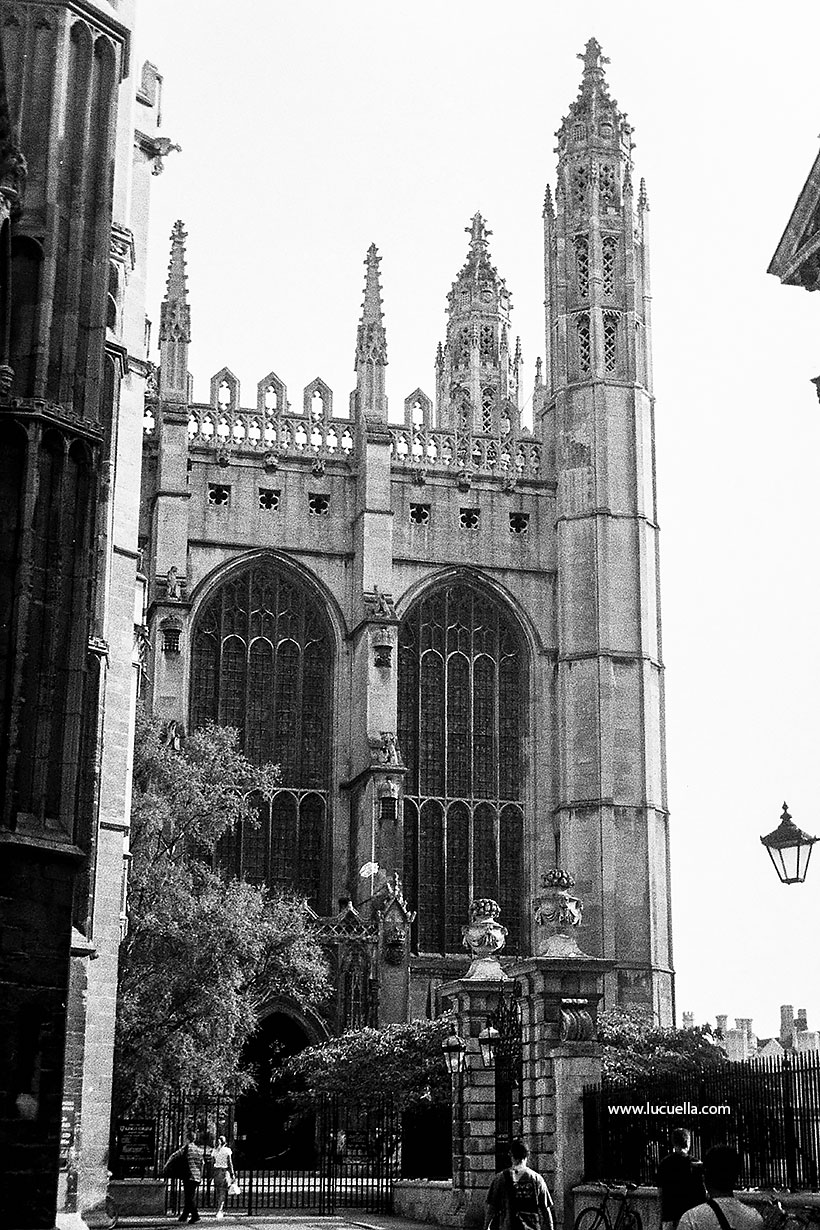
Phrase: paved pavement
pixel 352 1219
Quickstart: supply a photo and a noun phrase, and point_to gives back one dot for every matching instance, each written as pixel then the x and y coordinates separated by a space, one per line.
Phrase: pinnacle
pixel 549 209
pixel 371 339
pixel 176 286
pixel 372 306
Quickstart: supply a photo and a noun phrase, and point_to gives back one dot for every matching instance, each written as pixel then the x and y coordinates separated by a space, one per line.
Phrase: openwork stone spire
pixel 175 323
pixel 478 265
pixel 594 121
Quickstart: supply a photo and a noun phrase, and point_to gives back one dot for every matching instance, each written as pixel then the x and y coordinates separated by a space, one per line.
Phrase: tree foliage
pixel 202 953
pixel 403 1060
pixel 634 1045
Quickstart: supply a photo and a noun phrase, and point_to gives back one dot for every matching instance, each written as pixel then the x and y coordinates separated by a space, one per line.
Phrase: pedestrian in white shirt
pixel 722 1211
pixel 224 1175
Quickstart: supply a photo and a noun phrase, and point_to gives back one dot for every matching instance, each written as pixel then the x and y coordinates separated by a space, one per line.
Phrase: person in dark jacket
pixel 680 1180
pixel 518 1198
pixel 186 1164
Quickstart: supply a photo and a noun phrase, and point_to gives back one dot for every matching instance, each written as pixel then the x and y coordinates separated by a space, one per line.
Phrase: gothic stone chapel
pixel 446 630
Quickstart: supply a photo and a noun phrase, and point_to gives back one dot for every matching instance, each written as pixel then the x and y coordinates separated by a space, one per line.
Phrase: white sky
pixel 311 129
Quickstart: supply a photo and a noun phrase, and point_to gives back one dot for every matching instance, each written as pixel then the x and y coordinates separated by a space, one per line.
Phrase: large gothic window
pixel 462 688
pixel 261 661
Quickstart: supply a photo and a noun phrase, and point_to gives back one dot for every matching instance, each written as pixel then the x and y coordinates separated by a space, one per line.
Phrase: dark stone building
pixel 73 211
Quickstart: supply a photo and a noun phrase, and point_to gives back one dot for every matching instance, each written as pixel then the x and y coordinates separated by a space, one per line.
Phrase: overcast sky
pixel 310 130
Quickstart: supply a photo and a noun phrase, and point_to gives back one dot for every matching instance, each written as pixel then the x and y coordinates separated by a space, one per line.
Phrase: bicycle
pixel 776 1216
pixel 597 1217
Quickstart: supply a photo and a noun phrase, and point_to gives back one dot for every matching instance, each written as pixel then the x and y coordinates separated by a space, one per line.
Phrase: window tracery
pixel 462 678
pixel 261 661
pixel 584 343
pixel 582 265
pixel 610 251
pixel 486 344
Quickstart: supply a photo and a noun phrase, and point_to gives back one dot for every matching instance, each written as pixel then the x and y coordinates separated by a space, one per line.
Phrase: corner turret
pixel 477 373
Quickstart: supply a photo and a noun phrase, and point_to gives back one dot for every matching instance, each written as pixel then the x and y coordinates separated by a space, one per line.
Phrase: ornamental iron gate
pixel 354 1161
pixel 508 1076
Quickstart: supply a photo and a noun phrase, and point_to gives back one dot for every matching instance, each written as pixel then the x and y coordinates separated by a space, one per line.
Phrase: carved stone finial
pixel 643 200
pixel 478 231
pixel 484 937
pixel 594 61
pixel 560 913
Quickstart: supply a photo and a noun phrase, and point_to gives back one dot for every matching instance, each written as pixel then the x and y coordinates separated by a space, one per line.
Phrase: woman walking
pixel 224 1174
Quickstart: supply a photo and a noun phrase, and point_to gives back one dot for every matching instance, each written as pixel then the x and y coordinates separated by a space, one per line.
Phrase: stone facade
pixel 73 213
pixel 446 628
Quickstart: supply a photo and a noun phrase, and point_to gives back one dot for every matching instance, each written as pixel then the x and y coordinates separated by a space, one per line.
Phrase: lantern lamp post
pixel 789 849
pixel 455 1054
pixel 487 1044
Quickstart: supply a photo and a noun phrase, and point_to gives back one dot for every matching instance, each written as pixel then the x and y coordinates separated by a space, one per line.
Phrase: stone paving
pixel 288 1220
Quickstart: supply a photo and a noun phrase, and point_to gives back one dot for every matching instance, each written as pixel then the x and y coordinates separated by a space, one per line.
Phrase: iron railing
pixel 769 1109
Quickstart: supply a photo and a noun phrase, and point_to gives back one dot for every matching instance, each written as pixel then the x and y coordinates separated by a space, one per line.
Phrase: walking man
pixel 518 1198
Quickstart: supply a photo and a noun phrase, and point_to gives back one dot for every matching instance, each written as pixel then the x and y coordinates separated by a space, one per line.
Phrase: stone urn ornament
pixel 484 937
pixel 558 915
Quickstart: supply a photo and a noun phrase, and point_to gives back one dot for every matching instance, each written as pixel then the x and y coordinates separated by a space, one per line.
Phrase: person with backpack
pixel 518 1198
pixel 721 1211
pixel 186 1164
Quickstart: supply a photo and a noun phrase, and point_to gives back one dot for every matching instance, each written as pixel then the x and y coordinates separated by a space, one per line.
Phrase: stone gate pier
pixel 556 993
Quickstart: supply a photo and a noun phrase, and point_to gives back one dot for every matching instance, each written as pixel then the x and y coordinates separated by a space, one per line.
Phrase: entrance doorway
pixel 272 1131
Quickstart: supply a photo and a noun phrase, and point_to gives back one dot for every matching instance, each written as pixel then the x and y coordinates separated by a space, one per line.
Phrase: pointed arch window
pixel 462 688
pixel 262 662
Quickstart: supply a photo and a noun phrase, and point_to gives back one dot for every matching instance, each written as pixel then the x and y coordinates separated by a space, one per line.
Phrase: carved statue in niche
pixel 389 748
pixel 172 584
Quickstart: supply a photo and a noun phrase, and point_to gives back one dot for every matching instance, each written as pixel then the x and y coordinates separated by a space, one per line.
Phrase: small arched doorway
pixel 272 1130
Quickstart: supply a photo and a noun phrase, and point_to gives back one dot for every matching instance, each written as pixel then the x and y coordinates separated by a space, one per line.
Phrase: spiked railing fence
pixel 769 1109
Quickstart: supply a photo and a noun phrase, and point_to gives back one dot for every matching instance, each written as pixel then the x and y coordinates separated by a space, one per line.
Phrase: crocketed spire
pixel 371 338
pixel 175 312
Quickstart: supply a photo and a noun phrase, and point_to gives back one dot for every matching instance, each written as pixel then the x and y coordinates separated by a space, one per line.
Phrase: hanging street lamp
pixel 789 849
pixel 487 1044
pixel 455 1053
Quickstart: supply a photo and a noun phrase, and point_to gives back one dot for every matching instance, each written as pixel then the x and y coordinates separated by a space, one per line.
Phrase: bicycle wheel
pixel 631 1220
pixel 593 1218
